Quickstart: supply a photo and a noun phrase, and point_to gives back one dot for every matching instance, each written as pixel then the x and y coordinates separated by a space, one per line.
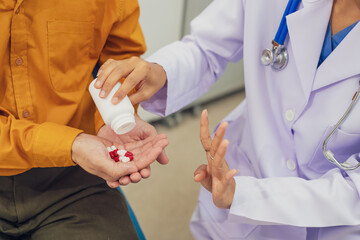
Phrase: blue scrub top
pixel 331 42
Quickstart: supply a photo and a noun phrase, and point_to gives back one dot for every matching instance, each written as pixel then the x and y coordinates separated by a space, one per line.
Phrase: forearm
pixel 327 201
pixel 188 77
pixel 195 63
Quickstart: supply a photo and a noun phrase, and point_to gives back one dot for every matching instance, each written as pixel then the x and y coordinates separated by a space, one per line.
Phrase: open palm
pixel 142 133
pixel 216 176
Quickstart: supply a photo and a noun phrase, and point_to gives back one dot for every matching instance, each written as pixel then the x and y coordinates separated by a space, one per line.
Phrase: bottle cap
pixel 123 123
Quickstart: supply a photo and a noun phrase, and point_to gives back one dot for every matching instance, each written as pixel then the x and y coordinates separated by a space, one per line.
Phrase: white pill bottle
pixel 120 116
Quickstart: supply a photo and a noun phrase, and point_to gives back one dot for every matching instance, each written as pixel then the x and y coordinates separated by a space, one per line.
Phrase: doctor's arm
pixel 331 200
pixel 181 72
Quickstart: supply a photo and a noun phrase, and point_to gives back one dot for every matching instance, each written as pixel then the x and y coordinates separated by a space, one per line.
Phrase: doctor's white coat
pixel 285 189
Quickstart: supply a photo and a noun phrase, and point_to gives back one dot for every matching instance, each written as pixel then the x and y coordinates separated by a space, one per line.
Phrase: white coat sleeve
pixel 332 200
pixel 195 63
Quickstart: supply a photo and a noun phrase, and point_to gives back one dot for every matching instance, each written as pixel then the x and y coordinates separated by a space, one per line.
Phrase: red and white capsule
pixel 120 155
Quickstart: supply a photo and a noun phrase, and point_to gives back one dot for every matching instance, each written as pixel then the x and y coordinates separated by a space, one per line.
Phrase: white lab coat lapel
pixel 307 28
pixel 342 63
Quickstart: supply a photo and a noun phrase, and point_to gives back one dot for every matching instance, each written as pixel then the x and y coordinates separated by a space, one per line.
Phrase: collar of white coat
pixel 307 28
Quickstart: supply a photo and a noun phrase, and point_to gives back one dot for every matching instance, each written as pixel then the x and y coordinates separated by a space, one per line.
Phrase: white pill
pixel 109 149
pixel 125 159
pixel 113 148
pixel 121 152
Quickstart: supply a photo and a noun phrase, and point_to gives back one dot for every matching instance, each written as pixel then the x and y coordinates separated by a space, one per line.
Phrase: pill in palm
pixel 120 154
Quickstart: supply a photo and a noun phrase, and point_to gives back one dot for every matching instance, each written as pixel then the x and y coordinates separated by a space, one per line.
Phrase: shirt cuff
pixel 52 145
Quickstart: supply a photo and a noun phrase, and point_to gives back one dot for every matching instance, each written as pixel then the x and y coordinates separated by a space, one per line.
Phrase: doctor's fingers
pixel 204 131
pixel 219 135
pixel 140 79
pixel 202 175
pixel 153 79
pixel 118 72
pixel 219 166
pixel 105 71
pixel 104 66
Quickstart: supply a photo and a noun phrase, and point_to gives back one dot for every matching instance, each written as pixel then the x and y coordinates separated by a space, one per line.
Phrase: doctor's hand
pixel 90 152
pixel 142 131
pixel 216 177
pixel 146 78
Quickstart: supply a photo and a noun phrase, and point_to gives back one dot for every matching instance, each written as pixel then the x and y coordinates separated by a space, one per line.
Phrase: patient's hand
pixel 90 152
pixel 143 132
pixel 216 177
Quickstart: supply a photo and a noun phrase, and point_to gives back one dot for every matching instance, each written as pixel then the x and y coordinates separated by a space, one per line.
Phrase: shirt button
pixel 19 61
pixel 25 113
pixel 289 115
pixel 291 165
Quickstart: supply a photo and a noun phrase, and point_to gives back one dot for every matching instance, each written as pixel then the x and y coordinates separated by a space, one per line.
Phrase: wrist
pixel 232 193
pixel 76 146
pixel 160 73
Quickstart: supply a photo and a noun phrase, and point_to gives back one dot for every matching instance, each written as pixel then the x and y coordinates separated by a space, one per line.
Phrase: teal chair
pixel 131 212
pixel 134 219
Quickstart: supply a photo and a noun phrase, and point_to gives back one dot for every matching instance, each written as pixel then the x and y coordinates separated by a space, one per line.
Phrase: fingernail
pixel 98 73
pixel 98 84
pixel 102 94
pixel 206 112
pixel 115 100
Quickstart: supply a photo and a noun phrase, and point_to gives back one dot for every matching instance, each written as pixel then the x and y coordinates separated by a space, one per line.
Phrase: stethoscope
pixel 277 58
pixel 328 153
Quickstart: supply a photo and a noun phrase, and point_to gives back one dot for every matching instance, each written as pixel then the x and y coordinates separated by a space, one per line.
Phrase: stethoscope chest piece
pixel 277 57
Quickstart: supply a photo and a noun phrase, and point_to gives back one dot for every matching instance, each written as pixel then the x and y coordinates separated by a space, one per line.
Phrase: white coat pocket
pixel 343 144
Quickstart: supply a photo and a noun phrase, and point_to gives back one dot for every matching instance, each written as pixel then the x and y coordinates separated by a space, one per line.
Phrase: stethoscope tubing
pixel 283 29
pixel 277 57
pixel 330 155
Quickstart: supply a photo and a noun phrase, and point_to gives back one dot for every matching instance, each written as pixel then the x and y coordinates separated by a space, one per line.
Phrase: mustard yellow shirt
pixel 48 49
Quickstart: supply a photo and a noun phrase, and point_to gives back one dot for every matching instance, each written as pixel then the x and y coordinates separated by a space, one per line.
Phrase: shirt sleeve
pixel 26 145
pixel 126 38
pixel 195 63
